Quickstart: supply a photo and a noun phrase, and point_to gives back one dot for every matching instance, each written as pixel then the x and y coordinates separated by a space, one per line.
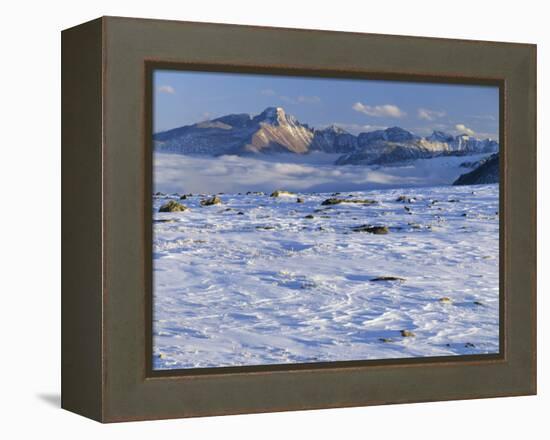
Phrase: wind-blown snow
pixel 270 286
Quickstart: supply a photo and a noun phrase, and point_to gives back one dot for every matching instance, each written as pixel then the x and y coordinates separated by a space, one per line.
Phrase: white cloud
pixel 308 99
pixel 386 110
pixel 166 89
pixel 464 130
pixel 268 92
pixel 484 117
pixel 300 99
pixel 429 115
pixel 206 116
pixel 287 99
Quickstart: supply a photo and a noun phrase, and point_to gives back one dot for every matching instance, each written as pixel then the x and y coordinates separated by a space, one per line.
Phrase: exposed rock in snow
pixel 172 206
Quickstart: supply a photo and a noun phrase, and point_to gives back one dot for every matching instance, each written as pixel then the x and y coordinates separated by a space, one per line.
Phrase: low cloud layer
pixel 309 173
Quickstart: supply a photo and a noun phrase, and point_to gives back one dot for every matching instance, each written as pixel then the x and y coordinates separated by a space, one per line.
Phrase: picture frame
pixel 107 227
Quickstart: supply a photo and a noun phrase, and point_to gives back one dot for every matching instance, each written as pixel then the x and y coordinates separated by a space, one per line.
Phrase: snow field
pixel 253 281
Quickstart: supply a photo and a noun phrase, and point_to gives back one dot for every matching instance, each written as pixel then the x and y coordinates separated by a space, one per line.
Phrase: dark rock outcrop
pixel 336 201
pixel 378 230
pixel 487 172
pixel 388 278
pixel 281 192
pixel 211 201
pixel 173 206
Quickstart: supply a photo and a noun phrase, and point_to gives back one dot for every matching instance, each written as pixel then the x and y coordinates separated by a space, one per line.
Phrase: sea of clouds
pixel 308 173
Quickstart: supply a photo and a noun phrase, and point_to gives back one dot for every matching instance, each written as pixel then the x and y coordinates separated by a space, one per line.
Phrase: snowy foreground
pixel 253 281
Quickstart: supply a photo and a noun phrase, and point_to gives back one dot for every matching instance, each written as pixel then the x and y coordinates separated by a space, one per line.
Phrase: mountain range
pixel 275 131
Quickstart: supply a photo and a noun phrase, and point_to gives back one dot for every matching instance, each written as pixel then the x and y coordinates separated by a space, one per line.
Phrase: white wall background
pixel 30 219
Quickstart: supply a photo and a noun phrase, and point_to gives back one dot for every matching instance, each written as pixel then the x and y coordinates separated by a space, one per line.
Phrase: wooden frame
pixel 106 258
pixel 152 65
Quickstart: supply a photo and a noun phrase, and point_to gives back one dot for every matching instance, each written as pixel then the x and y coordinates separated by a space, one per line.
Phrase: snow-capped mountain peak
pixel 398 134
pixel 273 130
pixel 333 128
pixel 275 116
pixel 440 136
pixel 235 120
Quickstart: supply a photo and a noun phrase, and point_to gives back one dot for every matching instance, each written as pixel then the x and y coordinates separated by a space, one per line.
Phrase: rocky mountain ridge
pixel 485 171
pixel 275 131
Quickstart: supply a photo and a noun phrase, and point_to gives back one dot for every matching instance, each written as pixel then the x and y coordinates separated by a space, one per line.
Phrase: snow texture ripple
pixel 255 280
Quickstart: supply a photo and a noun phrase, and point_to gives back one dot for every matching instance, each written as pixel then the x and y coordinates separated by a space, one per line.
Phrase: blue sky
pixel 185 97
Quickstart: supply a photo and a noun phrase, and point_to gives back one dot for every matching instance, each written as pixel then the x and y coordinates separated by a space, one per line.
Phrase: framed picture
pixel 263 219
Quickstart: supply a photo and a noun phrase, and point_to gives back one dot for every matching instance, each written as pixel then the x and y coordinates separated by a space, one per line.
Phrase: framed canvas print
pixel 263 219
